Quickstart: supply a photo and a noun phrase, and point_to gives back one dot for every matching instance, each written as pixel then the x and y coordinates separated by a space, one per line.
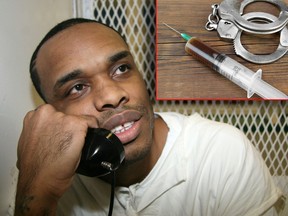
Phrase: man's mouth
pixel 122 128
pixel 125 125
pixel 127 132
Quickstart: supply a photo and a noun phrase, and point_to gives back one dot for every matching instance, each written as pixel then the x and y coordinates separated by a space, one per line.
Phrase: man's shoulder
pixel 199 135
pixel 197 123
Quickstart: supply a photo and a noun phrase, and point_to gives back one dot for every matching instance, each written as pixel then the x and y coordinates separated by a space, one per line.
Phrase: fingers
pixel 91 121
pixel 50 145
pixel 55 133
pixel 46 125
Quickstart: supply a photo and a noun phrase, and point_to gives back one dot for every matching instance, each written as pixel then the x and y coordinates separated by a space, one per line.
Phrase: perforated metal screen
pixel 265 123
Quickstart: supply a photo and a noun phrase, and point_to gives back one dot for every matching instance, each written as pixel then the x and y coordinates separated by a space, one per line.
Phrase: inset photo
pixel 232 50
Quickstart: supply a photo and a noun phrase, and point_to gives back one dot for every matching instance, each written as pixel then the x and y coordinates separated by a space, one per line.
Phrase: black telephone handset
pixel 102 153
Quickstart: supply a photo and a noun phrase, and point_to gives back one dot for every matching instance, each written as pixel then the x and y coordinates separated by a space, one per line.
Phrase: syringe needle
pixel 172 28
pixel 184 36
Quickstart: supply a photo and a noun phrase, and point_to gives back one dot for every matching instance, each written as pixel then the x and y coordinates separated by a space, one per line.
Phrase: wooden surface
pixel 180 76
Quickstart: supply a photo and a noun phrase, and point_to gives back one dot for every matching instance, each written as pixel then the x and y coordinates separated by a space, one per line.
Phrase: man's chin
pixel 132 157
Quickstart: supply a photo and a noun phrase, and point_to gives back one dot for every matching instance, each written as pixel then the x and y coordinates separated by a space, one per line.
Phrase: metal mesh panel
pixel 265 123
pixel 135 20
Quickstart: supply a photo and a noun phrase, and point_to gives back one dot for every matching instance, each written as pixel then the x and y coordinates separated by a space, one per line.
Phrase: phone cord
pixel 112 193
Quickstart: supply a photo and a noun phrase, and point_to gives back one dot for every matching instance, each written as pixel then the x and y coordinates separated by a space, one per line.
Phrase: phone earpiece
pixel 102 153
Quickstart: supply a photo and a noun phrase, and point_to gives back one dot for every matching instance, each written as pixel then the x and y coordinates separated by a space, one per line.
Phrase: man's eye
pixel 77 89
pixel 122 69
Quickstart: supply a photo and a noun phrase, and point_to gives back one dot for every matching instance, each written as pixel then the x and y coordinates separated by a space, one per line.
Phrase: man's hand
pixel 49 152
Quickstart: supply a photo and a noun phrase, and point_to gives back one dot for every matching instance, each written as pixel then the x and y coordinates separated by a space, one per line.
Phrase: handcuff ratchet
pixel 229 21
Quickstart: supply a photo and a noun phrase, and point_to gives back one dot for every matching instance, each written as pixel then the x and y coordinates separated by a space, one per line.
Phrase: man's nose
pixel 110 95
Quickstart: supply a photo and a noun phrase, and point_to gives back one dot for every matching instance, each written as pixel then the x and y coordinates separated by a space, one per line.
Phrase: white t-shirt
pixel 206 169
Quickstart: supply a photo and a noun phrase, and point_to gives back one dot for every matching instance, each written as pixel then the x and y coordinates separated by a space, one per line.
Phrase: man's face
pixel 87 69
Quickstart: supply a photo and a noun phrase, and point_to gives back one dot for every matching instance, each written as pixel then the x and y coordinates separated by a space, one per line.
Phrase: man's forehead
pixel 82 35
pixel 91 29
pixel 89 26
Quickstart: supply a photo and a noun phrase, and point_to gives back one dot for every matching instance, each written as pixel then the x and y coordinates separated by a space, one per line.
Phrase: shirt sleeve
pixel 245 186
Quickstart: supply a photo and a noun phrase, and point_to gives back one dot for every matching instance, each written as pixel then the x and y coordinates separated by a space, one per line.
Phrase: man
pixel 174 165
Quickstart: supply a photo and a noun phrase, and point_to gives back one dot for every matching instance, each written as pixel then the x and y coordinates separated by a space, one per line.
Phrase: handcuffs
pixel 229 21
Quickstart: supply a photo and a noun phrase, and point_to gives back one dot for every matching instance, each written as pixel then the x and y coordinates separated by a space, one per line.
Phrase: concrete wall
pixel 23 24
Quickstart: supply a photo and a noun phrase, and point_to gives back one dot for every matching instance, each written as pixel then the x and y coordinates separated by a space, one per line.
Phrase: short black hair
pixel 56 29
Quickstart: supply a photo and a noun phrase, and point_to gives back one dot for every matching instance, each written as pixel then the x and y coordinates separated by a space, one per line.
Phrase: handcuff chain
pixel 213 18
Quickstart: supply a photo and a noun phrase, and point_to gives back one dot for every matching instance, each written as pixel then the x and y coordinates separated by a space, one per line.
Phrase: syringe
pixel 231 69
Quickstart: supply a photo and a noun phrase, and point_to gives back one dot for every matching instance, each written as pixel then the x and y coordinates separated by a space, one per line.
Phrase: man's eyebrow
pixel 118 56
pixel 66 78
pixel 76 73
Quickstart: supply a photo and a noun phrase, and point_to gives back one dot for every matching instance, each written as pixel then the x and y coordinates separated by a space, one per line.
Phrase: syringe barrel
pixel 202 52
pixel 231 69
pixel 219 62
